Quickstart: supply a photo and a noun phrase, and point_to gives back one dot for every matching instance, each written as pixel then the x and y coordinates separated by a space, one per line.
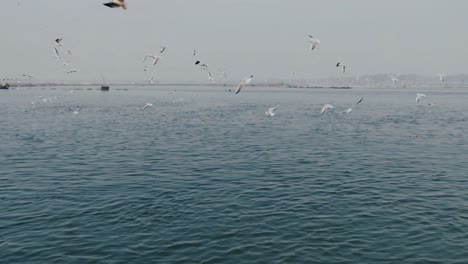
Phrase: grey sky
pixel 267 38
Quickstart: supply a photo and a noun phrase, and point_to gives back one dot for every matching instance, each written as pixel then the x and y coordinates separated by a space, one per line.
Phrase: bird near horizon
pixel 441 77
pixel 419 97
pixel 242 84
pixel 343 67
pixel 116 4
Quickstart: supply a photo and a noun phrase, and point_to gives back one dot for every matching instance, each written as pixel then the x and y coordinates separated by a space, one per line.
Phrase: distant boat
pixel 4 86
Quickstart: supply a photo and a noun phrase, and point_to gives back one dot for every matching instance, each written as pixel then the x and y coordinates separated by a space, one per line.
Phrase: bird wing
pixel 360 100
pixel 239 87
pixel 57 54
pixel 111 5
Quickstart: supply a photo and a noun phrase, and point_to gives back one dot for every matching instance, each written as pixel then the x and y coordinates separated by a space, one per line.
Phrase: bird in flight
pixel 343 67
pixel 314 42
pixel 243 83
pixel 116 4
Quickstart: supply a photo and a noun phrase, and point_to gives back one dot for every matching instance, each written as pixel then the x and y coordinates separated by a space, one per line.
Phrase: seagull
pixel 27 75
pixel 441 77
pixel 419 97
pixel 210 78
pixel 147 105
pixel 270 111
pixel 339 64
pixel 57 54
pixel 58 42
pixel 242 83
pixel 395 81
pixel 347 111
pixel 76 110
pixel 360 100
pixel 326 107
pixel 163 48
pixel 72 71
pixel 155 58
pixel 314 42
pixel 116 4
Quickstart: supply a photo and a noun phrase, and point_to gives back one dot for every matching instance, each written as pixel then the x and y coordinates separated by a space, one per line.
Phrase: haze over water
pixel 204 176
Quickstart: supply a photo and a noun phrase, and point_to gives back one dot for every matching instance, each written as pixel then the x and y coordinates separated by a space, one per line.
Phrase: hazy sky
pixel 267 38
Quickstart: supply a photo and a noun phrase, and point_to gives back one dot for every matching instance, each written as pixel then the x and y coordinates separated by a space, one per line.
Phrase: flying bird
pixel 395 81
pixel 270 111
pixel 57 54
pixel 76 110
pixel 419 97
pixel 242 84
pixel 147 105
pixel 441 77
pixel 314 42
pixel 163 48
pixel 116 4
pixel 349 110
pixel 326 107
pixel 72 71
pixel 58 42
pixel 343 67
pixel 155 58
pixel 210 78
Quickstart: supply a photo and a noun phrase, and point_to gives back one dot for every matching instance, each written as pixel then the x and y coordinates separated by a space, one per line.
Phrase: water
pixel 205 177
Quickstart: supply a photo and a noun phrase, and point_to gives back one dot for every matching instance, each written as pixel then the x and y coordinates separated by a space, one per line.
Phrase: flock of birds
pixel 150 62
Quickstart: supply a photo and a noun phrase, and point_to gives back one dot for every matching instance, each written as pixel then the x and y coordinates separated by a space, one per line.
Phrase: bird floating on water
pixel 116 4
pixel 243 83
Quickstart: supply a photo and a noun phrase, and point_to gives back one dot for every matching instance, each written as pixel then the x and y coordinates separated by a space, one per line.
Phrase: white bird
pixel 76 110
pixel 314 42
pixel 270 111
pixel 147 105
pixel 395 81
pixel 116 4
pixel 347 111
pixel 326 107
pixel 343 67
pixel 57 54
pixel 210 78
pixel 242 84
pixel 155 58
pixel 58 42
pixel 419 97
pixel 441 77
pixel 163 48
